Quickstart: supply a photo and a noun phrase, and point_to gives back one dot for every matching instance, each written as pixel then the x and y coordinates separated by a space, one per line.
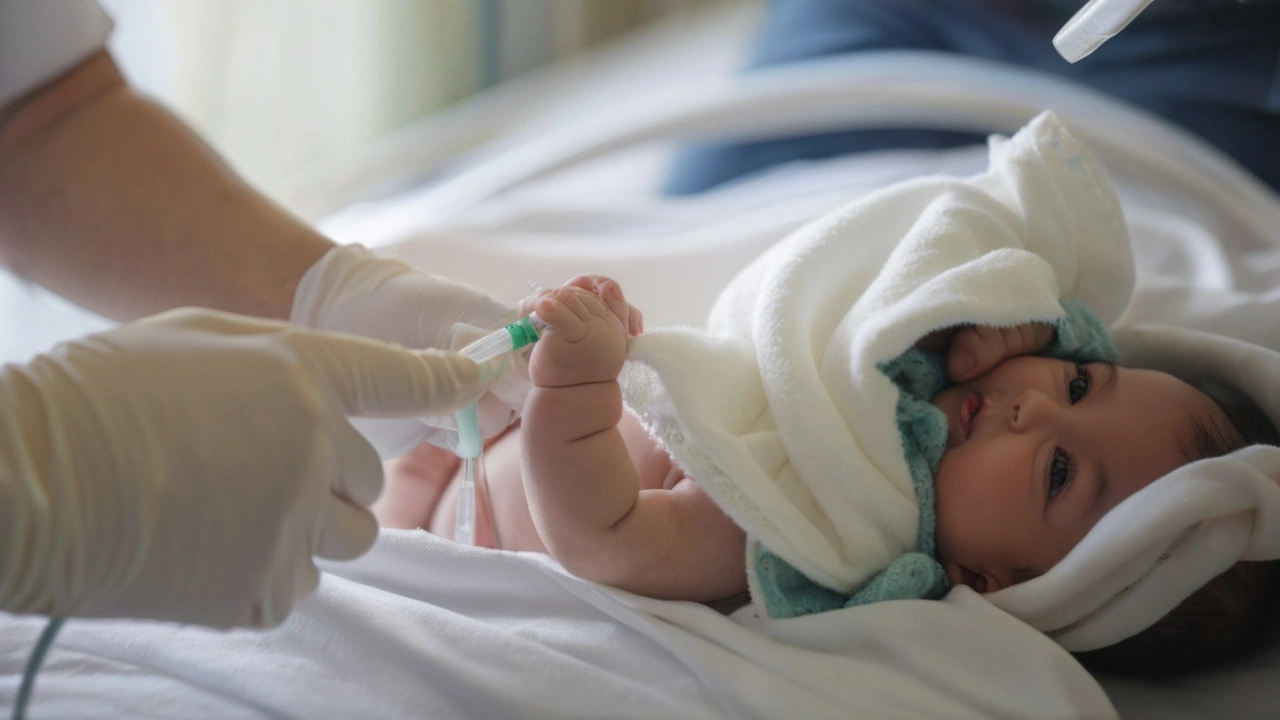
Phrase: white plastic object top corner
pixel 1095 23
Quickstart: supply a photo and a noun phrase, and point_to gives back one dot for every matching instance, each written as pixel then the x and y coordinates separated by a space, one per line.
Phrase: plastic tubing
pixel 515 336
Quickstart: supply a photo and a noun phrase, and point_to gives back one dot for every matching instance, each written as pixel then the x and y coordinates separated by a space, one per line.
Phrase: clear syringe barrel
pixel 518 334
pixel 515 336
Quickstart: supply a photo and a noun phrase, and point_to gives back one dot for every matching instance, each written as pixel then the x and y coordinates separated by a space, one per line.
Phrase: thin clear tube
pixel 513 337
pixel 464 528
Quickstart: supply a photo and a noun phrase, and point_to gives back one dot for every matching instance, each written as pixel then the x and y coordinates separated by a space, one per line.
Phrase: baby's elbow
pixel 620 568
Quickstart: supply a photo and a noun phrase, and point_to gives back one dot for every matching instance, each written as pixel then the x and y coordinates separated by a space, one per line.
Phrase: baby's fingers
pixel 529 304
pixel 608 290
pixel 635 321
pixel 564 315
pixel 974 351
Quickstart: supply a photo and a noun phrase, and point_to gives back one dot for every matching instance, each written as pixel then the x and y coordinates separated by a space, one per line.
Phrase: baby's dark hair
pixel 1235 613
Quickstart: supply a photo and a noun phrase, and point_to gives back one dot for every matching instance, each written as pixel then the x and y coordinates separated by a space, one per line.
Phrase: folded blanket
pixel 779 408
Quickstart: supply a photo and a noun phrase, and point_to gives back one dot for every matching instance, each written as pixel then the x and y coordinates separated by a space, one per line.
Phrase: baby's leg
pixel 414 485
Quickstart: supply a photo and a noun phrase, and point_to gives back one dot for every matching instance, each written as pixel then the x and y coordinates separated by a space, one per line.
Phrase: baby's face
pixel 1038 450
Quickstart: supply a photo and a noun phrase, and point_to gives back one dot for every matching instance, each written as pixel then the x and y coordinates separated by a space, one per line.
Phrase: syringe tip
pixel 525 331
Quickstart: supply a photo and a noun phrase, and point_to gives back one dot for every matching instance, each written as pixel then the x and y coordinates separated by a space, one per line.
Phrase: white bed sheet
pixel 421 627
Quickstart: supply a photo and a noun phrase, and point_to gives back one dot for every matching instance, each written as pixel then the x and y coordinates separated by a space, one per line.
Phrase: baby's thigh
pixel 413 487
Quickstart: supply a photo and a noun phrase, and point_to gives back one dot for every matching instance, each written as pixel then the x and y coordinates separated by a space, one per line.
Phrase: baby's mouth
pixel 969 410
pixel 974 580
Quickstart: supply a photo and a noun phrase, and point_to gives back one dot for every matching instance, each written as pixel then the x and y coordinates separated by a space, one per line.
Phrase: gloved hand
pixel 352 290
pixel 188 466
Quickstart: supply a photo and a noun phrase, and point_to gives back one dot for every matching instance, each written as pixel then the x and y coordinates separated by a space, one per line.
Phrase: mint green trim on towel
pixel 920 376
pixel 1080 336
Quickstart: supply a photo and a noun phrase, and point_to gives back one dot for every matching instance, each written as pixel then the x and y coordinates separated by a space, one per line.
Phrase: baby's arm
pixel 582 484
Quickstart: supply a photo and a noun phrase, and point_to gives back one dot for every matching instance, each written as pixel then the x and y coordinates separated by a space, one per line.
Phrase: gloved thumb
pixel 378 379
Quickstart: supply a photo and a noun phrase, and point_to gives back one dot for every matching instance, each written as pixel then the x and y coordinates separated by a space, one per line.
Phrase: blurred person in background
pixel 1209 66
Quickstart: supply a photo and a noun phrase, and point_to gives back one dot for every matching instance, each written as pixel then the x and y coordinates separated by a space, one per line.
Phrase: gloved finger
pixel 346 531
pixel 304 581
pixel 391 437
pixel 358 468
pixel 374 378
pixel 215 322
pixel 299 581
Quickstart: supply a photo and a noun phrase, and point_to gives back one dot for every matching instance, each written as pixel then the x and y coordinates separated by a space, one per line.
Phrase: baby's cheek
pixel 946 505
pixel 968 503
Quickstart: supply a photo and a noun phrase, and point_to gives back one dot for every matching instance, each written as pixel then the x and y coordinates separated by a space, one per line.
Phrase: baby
pixel 1037 451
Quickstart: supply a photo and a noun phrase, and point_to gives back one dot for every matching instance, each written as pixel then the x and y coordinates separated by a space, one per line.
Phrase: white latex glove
pixel 351 290
pixel 187 467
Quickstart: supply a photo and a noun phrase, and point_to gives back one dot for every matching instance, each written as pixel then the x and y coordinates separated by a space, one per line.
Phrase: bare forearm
pixel 579 476
pixel 584 491
pixel 109 200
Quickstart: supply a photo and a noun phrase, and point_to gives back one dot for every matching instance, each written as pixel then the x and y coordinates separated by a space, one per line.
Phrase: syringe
pixel 515 336
pixel 518 334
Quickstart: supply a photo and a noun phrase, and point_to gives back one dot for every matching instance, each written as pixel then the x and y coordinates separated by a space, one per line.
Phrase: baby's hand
pixel 975 350
pixel 585 342
pixel 608 290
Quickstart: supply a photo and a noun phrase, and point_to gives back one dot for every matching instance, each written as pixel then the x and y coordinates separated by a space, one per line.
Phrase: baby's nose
pixel 1028 408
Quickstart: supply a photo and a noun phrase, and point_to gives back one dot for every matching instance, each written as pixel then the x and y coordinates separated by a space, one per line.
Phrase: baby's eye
pixel 1060 467
pixel 1080 384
